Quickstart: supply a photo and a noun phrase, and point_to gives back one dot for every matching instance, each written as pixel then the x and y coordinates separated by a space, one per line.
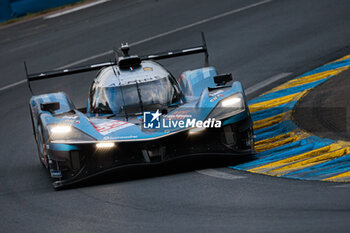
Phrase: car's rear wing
pixel 157 56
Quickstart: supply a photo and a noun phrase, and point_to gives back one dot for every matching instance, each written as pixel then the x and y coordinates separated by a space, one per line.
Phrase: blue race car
pixel 138 113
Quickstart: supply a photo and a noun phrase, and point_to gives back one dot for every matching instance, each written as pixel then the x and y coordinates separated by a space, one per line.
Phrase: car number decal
pixel 111 126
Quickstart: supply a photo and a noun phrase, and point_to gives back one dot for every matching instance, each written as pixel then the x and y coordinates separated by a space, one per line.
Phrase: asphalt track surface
pixel 332 120
pixel 279 36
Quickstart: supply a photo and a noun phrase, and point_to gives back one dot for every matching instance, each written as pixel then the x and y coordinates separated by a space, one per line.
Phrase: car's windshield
pixel 134 98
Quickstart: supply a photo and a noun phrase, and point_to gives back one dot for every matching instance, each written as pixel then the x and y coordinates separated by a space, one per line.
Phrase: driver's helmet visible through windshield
pixel 136 95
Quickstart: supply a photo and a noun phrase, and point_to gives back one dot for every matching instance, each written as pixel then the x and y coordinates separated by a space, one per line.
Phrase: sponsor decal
pixel 216 97
pixel 107 138
pixel 154 120
pixel 127 137
pixel 69 117
pixel 56 174
pixel 178 115
pixel 111 126
pixel 180 78
pixel 147 69
pixel 214 93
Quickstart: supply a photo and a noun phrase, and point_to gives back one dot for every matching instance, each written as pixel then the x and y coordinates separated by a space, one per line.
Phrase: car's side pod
pixel 193 82
pixel 54 103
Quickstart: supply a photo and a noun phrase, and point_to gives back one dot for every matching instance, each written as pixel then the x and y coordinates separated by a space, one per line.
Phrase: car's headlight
pixel 66 132
pixel 105 145
pixel 229 106
pixel 61 129
pixel 196 130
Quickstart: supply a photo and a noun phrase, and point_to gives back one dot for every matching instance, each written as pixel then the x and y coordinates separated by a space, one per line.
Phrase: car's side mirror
pixel 50 107
pixel 222 79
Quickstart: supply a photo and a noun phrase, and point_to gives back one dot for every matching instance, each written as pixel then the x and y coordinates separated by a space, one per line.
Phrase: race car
pixel 138 113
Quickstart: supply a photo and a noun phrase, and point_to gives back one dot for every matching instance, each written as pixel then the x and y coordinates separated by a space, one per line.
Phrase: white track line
pixel 172 31
pixel 12 85
pixel 341 186
pixel 219 174
pixel 203 21
pixel 153 37
pixel 75 9
pixel 85 59
pixel 266 82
